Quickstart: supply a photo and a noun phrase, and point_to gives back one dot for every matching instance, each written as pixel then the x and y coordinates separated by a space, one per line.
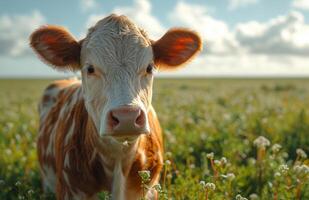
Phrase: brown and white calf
pixel 98 133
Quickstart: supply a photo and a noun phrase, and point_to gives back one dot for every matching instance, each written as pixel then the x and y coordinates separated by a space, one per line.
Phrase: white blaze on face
pixel 120 54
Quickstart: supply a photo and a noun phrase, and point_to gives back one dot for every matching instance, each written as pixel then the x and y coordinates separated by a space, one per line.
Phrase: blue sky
pixel 242 37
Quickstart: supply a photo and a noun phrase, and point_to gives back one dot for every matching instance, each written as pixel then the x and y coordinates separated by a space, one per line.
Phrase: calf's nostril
pixel 140 120
pixel 114 121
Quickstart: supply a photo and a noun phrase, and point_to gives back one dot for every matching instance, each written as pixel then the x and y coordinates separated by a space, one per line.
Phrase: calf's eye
pixel 90 69
pixel 149 69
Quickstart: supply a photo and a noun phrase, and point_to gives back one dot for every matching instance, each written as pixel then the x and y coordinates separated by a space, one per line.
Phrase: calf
pixel 98 133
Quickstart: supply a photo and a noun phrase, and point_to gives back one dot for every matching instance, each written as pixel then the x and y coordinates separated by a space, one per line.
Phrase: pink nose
pixel 127 120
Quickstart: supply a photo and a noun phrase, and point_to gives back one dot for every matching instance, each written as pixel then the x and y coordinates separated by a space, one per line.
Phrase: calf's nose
pixel 127 120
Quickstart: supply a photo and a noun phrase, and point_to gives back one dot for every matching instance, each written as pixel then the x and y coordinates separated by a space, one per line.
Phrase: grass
pixel 212 132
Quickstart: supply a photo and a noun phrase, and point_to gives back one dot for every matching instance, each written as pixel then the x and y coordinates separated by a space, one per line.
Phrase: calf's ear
pixel 175 48
pixel 57 47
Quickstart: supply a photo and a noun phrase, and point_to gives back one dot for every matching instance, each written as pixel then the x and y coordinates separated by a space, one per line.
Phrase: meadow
pixel 224 139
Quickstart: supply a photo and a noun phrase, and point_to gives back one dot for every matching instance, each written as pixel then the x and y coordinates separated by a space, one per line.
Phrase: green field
pixel 198 117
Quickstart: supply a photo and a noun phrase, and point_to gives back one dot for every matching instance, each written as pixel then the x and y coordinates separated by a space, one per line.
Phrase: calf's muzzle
pixel 127 121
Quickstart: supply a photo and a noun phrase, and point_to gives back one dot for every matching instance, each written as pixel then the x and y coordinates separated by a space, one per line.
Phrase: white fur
pixel 66 179
pixel 120 156
pixel 143 156
pixel 69 134
pixel 120 54
pixel 51 142
pixel 119 181
pixel 49 178
pixel 45 107
pixel 67 160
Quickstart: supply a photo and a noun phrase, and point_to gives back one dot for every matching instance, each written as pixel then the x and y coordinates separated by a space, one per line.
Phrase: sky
pixel 241 37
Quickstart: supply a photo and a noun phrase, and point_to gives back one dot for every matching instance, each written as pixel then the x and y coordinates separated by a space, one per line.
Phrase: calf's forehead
pixel 116 42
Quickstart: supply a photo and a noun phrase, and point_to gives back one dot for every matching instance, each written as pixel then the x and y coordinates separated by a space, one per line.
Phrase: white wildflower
pixel 217 162
pixel 169 176
pixel 30 192
pixel 203 184
pixel 203 136
pixel 301 170
pixel 210 155
pixel 276 148
pixel 301 153
pixel 167 162
pixel 18 183
pixel 277 174
pixel 223 160
pixel 192 166
pixel 230 176
pixel 252 161
pixel 283 169
pixel 239 197
pixel 210 186
pixel 261 142
pixel 254 196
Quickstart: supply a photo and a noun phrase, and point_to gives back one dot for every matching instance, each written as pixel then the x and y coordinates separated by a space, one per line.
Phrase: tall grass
pixel 224 139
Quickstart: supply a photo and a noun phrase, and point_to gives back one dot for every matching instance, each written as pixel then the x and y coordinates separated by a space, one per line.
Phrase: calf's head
pixel 117 61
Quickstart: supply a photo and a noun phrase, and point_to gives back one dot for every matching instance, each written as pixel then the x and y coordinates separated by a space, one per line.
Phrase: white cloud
pixel 215 33
pixel 87 5
pixel 15 31
pixel 277 47
pixel 301 4
pixel 283 35
pixel 234 4
pixel 140 13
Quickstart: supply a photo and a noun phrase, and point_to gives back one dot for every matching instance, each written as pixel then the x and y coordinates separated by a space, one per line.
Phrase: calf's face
pixel 117 61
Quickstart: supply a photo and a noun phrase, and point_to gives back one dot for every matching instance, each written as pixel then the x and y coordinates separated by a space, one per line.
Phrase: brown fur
pixel 56 46
pixel 86 173
pixel 176 47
